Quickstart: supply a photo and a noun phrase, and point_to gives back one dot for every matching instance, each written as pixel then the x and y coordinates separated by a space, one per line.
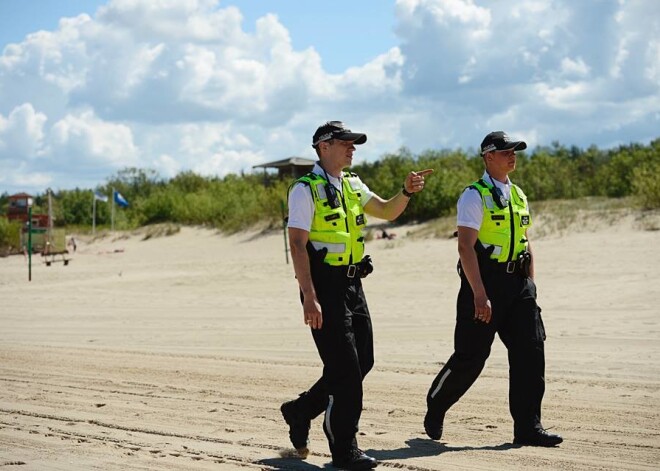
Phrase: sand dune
pixel 174 353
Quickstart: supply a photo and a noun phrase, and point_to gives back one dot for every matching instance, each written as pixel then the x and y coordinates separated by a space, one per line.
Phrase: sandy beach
pixel 175 353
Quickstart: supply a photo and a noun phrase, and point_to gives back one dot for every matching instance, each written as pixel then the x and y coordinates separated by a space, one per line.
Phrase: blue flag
pixel 120 200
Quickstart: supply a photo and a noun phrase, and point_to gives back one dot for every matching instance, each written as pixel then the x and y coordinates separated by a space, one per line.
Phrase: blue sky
pixel 88 88
pixel 20 18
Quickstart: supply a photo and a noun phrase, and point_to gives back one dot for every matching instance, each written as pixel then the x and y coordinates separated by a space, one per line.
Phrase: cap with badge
pixel 337 130
pixel 499 140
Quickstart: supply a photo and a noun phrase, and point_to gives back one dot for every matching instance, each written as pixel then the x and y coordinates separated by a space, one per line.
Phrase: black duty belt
pixel 520 266
pixel 342 271
pixel 349 271
pixel 507 267
pixel 355 270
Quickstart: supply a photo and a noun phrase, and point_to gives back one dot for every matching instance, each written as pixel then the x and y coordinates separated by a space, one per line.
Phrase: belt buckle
pixel 510 267
pixel 352 270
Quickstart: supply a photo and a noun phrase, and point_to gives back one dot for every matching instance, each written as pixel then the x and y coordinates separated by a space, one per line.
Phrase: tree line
pixel 237 202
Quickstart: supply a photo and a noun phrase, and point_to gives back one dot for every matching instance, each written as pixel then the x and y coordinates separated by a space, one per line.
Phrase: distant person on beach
pixel 386 235
pixel 497 295
pixel 326 221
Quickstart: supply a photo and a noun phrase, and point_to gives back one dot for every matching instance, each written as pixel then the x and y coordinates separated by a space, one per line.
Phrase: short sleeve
pixel 470 209
pixel 301 207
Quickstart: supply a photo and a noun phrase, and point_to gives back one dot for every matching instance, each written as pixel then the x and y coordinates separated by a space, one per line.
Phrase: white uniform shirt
pixel 301 203
pixel 470 209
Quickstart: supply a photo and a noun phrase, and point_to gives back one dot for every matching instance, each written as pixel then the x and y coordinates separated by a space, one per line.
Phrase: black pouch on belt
pixel 366 266
pixel 525 263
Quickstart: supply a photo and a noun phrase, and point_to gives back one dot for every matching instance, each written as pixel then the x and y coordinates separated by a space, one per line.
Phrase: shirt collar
pixel 334 180
pixel 505 187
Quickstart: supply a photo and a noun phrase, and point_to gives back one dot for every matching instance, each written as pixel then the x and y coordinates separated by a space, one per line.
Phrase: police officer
pixel 326 221
pixel 497 295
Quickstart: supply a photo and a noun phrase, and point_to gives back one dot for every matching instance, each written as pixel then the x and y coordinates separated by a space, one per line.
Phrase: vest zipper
pixel 343 204
pixel 513 230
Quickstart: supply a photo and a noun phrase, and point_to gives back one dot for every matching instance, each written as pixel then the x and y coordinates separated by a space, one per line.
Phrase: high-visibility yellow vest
pixel 337 229
pixel 504 228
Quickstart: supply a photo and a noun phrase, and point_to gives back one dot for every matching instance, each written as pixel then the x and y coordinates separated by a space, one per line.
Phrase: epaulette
pixel 310 175
pixel 480 182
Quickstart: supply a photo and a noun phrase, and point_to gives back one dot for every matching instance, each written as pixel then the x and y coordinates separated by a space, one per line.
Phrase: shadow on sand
pixel 416 447
pixel 292 464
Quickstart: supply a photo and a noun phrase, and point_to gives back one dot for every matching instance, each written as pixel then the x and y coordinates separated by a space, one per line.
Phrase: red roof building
pixel 18 211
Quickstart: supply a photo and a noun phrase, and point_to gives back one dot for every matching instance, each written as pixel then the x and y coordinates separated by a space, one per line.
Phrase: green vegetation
pixel 10 238
pixel 237 202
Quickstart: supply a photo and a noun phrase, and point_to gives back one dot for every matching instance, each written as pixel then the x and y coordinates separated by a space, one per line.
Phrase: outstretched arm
pixel 392 208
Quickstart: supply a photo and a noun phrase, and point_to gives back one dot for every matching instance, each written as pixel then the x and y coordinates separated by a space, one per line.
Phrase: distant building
pixel 44 237
pixel 18 211
pixel 293 167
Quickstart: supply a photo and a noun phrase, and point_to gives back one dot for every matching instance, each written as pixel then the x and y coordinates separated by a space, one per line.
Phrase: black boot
pixel 298 427
pixel 433 424
pixel 537 437
pixel 354 460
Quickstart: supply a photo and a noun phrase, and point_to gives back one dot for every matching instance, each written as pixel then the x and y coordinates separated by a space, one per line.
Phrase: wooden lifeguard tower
pixel 17 210
pixel 50 242
pixel 292 167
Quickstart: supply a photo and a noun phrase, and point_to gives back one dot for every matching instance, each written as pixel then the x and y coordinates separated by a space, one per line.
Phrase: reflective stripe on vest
pixel 340 229
pixel 504 229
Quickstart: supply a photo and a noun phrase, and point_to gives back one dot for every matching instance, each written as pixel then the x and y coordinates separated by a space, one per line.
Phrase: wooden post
pixel 30 242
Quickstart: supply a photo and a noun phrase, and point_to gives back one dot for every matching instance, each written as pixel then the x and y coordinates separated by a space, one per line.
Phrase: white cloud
pixel 571 67
pixel 179 84
pixel 101 143
pixel 218 163
pixel 23 178
pixel 21 133
pixel 178 20
pixel 571 97
pixel 167 166
pixel 381 75
pixel 652 70
pixel 558 70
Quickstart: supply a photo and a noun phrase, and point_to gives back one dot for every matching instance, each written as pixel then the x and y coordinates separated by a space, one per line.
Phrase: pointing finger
pixel 422 173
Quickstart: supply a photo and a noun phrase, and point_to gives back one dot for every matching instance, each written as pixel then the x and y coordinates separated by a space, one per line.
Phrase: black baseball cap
pixel 499 140
pixel 337 130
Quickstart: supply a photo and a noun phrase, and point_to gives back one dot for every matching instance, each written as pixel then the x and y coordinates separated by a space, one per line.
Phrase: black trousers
pixel 516 318
pixel 345 345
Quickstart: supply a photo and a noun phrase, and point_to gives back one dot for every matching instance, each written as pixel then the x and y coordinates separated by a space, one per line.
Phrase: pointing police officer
pixel 326 232
pixel 497 295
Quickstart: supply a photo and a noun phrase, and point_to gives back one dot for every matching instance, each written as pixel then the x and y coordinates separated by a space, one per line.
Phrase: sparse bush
pixel 10 236
pixel 646 185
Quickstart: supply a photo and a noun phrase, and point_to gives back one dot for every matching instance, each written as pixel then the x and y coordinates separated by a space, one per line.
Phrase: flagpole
pixel 94 214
